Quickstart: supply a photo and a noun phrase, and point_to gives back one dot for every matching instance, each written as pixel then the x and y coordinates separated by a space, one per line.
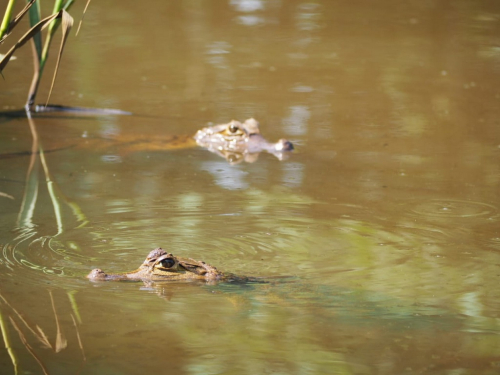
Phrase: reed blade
pixel 66 25
pixel 26 37
pixel 35 15
pixel 8 25
pixel 83 16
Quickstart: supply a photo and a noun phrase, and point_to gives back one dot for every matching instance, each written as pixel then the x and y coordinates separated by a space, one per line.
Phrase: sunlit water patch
pixel 271 239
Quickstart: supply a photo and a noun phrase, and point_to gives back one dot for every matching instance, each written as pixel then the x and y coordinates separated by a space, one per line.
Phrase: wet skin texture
pixel 162 266
pixel 236 141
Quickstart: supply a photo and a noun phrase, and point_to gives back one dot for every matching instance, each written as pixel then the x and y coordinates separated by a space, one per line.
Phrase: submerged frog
pixel 162 266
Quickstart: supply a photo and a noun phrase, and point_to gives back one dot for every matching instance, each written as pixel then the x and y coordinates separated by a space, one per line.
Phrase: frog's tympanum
pixel 162 266
pixel 238 141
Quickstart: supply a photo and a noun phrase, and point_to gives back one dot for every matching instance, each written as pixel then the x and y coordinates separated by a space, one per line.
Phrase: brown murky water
pixel 386 215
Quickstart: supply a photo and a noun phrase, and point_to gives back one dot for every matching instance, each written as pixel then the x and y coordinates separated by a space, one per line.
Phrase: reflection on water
pixel 247 5
pixel 293 175
pixel 296 123
pixel 384 221
pixel 226 176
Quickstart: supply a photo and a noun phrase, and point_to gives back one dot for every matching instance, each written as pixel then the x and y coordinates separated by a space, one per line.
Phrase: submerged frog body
pixel 162 266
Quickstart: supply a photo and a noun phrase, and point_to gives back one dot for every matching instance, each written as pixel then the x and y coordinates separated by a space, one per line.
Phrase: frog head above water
pixel 162 266
pixel 236 141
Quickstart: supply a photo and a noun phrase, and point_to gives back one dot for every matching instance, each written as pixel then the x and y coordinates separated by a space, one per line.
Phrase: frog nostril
pixel 284 145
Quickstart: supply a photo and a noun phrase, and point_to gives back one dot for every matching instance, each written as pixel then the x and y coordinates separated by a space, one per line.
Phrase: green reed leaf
pixel 7 25
pixel 35 15
pixel 26 37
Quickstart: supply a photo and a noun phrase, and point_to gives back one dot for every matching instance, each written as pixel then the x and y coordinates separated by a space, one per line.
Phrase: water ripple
pixel 451 208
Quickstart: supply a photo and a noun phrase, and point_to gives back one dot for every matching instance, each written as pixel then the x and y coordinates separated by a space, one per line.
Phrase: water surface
pixel 385 218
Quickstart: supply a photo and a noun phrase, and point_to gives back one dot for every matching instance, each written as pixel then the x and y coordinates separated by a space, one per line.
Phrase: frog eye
pixel 167 263
pixel 233 128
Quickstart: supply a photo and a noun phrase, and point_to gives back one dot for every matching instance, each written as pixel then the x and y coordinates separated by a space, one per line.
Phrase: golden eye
pixel 167 263
pixel 233 128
